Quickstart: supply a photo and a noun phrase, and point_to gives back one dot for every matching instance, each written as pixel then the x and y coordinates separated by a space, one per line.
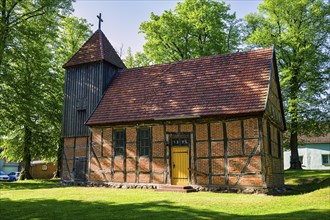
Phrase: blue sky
pixel 123 18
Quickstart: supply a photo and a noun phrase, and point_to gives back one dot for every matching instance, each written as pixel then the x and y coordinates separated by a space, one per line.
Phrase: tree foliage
pixel 195 28
pixel 17 13
pixel 31 76
pixel 137 60
pixel 300 32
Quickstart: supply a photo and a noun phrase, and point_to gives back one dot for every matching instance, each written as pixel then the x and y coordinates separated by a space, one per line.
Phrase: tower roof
pixel 97 48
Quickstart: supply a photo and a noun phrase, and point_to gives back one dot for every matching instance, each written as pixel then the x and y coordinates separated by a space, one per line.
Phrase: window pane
pixel 144 141
pixel 279 143
pixel 146 151
pixel 325 159
pixel 144 134
pixel 142 151
pixel 119 152
pixel 119 142
pixel 269 138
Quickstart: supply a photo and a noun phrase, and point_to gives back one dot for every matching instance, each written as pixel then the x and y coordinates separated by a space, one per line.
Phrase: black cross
pixel 100 20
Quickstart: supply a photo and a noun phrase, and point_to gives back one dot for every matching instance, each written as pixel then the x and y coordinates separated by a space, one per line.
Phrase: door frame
pixel 180 140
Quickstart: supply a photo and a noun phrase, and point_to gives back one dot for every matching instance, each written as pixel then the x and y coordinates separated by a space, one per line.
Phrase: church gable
pixel 274 107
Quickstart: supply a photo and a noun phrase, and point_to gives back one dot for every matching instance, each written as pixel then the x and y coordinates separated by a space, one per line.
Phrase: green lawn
pixel 48 200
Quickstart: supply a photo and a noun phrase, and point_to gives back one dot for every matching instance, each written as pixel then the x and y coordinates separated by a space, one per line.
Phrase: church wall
pixel 273 144
pixel 75 158
pixel 273 108
pixel 221 153
pixel 273 127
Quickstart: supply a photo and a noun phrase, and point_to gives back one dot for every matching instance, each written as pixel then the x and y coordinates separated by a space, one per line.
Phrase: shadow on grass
pixel 31 184
pixel 306 181
pixel 312 186
pixel 72 209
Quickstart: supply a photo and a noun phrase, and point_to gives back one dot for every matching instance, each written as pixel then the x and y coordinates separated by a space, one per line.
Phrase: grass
pixel 48 200
pixel 304 181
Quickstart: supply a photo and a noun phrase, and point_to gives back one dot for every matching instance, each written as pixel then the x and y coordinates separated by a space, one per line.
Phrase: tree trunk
pixel 59 158
pixel 27 155
pixel 295 163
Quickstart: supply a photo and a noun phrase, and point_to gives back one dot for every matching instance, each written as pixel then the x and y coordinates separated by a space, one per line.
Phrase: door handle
pixel 173 165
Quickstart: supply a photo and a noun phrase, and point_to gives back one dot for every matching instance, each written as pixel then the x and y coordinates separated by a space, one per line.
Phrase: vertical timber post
pixel 112 157
pixel 150 157
pixel 209 153
pixel 262 153
pixel 165 154
pixel 195 152
pixel 225 143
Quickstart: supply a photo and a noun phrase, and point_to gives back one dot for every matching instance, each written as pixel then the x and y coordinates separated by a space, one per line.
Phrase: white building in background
pixel 314 153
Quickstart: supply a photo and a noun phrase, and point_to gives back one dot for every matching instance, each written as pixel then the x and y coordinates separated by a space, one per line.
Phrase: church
pixel 214 122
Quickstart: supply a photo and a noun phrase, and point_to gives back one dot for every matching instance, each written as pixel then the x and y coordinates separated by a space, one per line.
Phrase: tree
pixel 73 32
pixel 300 32
pixel 195 28
pixel 32 79
pixel 14 13
pixel 137 60
pixel 29 107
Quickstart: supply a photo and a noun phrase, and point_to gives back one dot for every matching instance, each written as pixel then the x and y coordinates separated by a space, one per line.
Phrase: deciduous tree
pixel 195 28
pixel 300 31
pixel 136 60
pixel 31 84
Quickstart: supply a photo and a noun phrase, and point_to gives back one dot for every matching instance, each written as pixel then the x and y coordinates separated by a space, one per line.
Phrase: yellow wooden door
pixel 180 165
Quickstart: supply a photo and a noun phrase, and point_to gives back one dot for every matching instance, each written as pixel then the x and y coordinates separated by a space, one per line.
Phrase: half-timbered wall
pixel 273 108
pixel 75 159
pixel 273 127
pixel 222 153
pixel 272 142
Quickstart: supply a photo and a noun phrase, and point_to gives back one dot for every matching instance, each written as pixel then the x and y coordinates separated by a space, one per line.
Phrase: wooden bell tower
pixel 88 74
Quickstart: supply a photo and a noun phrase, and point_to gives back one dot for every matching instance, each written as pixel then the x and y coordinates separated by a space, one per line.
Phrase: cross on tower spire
pixel 100 20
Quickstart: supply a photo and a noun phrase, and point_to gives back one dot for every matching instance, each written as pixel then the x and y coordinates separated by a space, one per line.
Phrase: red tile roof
pixel 315 140
pixel 216 85
pixel 97 48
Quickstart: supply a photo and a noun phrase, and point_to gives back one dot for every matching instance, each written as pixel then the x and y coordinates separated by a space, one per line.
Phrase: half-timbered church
pixel 214 121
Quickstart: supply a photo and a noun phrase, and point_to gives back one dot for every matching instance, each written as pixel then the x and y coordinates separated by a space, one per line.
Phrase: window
pixel 144 141
pixel 269 138
pixel 119 142
pixel 279 143
pixel 182 139
pixel 325 159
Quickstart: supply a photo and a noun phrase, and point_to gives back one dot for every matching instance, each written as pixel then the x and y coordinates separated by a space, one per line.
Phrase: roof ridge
pixel 65 65
pixel 101 43
pixel 201 58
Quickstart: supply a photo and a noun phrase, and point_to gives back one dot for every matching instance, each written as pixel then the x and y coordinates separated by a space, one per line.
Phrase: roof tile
pixel 97 48
pixel 214 85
